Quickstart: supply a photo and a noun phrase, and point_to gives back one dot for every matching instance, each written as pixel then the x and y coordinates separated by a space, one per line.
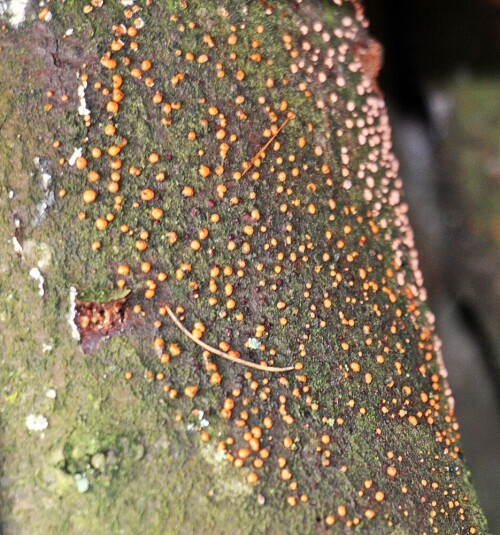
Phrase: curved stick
pixel 291 116
pixel 222 354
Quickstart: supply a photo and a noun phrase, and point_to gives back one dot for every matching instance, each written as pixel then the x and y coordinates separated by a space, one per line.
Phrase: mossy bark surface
pixel 295 252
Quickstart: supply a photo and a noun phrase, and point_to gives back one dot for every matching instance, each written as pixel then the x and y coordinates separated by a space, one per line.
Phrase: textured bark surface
pixel 233 162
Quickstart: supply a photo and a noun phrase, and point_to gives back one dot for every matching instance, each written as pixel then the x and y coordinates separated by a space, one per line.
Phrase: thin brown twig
pixel 275 135
pixel 223 354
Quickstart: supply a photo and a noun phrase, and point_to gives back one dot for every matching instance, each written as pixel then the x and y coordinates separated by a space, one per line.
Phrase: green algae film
pixel 234 163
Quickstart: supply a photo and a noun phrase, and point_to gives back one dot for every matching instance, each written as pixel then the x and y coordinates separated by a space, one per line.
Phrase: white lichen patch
pixel 82 106
pixel 37 253
pixel 34 253
pixel 42 207
pixel 75 333
pixel 82 483
pixel 76 154
pixel 212 455
pixel 46 180
pixel 228 485
pixel 38 277
pixel 42 169
pixel 14 11
pixel 49 199
pixel 36 422
pixel 253 343
pixel 203 421
pixel 18 248
pixel 51 393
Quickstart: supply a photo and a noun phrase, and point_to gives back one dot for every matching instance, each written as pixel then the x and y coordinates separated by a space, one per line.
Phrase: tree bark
pixel 230 163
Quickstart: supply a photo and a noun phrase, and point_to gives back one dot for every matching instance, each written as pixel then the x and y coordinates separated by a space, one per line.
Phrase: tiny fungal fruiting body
pixel 302 249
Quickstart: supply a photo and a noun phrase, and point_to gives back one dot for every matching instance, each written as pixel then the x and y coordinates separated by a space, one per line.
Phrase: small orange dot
pixel 81 162
pixel 147 194
pixel 191 391
pixel 330 520
pixel 252 478
pixel 112 107
pixel 157 213
pixel 101 223
pixel 204 171
pixel 391 471
pixel 109 130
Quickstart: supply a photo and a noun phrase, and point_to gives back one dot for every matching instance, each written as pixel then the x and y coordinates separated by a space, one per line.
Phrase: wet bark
pixel 230 162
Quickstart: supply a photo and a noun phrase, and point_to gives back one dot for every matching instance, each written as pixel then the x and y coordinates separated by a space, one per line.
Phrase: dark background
pixel 441 80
